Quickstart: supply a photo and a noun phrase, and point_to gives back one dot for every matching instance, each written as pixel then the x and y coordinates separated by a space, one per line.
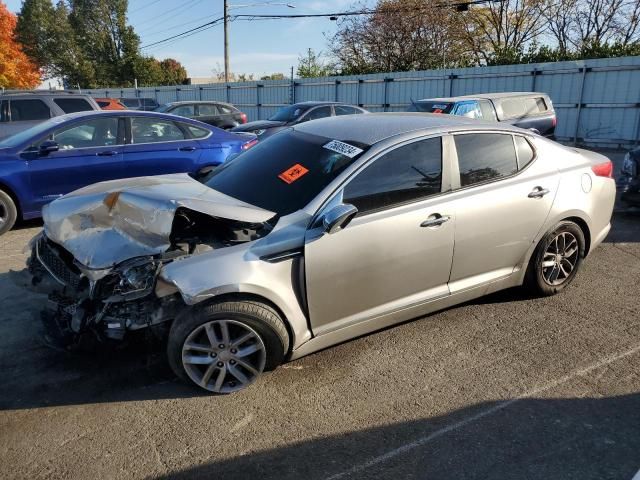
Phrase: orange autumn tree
pixel 16 69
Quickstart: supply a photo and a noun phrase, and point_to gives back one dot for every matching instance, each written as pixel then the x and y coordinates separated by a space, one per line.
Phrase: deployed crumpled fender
pixel 104 224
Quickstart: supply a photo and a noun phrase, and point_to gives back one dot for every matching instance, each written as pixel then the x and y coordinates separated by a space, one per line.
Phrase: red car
pixel 110 104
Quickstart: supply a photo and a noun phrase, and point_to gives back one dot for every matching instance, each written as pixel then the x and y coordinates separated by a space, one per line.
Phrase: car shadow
pixel 533 438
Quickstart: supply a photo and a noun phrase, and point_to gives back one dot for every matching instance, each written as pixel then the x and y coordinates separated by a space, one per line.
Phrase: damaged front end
pixel 103 248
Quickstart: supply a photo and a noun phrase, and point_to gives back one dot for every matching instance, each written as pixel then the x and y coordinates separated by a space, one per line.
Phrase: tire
pixel 199 354
pixel 554 263
pixel 8 213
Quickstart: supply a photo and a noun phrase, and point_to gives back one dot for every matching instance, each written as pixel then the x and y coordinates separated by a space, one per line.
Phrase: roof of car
pixel 127 113
pixel 44 93
pixel 484 96
pixel 189 102
pixel 375 127
pixel 314 103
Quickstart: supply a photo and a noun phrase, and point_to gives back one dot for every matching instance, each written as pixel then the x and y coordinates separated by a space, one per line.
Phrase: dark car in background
pixel 144 104
pixel 295 114
pixel 19 111
pixel 68 152
pixel 629 180
pixel 218 114
pixel 531 110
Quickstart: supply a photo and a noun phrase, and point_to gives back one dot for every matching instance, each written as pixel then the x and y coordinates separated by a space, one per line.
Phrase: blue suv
pixel 71 151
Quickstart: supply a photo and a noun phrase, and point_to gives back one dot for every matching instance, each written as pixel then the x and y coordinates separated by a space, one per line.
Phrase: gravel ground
pixel 503 387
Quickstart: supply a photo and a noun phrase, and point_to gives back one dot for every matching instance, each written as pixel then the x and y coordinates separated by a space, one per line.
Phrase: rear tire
pixel 556 260
pixel 224 346
pixel 8 213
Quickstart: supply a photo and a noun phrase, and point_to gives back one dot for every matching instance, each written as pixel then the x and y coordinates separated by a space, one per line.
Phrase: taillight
pixel 243 118
pixel 554 121
pixel 249 144
pixel 603 169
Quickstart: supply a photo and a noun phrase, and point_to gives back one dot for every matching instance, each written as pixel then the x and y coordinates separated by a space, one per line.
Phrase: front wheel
pixel 556 260
pixel 8 213
pixel 225 346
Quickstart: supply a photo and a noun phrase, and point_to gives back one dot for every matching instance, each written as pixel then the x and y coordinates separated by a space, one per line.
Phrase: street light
pixel 228 7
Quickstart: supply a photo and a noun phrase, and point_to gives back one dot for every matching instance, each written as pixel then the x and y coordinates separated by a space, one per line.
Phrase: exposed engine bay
pixel 103 304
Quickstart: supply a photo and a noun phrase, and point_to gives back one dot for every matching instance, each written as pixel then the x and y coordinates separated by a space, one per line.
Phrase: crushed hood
pixel 109 222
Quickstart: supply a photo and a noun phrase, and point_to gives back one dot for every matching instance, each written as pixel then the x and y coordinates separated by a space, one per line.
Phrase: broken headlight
pixel 138 277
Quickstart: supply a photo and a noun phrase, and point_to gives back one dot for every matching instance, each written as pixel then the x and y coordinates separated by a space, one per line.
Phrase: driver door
pixel 396 253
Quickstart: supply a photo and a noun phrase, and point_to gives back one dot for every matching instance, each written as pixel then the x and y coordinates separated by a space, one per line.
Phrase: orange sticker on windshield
pixel 292 174
pixel 437 110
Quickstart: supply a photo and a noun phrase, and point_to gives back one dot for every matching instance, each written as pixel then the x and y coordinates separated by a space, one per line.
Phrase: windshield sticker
pixel 292 174
pixel 439 106
pixel 437 110
pixel 343 148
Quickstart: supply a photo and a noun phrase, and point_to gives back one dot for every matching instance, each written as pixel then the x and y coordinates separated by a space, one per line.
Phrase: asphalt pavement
pixel 504 387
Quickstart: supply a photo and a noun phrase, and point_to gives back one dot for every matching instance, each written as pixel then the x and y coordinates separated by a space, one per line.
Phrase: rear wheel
pixel 8 213
pixel 225 346
pixel 556 260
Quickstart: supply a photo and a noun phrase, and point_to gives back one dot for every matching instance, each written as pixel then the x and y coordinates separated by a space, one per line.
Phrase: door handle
pixel 187 149
pixel 107 153
pixel 538 192
pixel 435 220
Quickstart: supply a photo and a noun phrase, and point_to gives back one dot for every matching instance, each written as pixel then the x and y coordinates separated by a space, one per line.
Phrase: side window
pixel 196 132
pixel 71 105
pixel 320 112
pixel 542 105
pixel 224 109
pixel 102 103
pixel 183 111
pixel 513 107
pixel 525 151
pixel 408 173
pixel 31 109
pixel 151 130
pixel 130 102
pixel 149 102
pixel 99 132
pixel 207 109
pixel 485 156
pixel 468 109
pixel 488 112
pixel 345 110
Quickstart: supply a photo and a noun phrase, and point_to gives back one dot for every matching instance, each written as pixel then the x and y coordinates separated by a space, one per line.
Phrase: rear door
pixel 156 146
pixel 90 151
pixel 208 113
pixel 502 201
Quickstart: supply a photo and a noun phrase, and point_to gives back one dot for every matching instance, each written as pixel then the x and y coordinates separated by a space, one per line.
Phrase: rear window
pixel 71 105
pixel 130 102
pixel 31 109
pixel 284 172
pixel 485 156
pixel 431 107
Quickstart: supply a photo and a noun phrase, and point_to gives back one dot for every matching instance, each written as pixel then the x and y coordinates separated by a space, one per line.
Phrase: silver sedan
pixel 324 232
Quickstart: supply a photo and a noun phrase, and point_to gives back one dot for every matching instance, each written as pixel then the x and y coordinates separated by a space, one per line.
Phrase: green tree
pixel 173 73
pixel 312 65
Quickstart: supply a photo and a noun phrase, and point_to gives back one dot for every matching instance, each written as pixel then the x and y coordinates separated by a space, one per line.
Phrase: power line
pixel 144 6
pixel 334 15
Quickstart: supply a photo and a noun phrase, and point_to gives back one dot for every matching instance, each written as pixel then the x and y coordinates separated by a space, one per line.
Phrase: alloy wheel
pixel 4 213
pixel 223 356
pixel 560 259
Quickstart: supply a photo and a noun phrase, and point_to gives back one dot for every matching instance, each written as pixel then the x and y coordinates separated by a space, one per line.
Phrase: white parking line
pixel 489 411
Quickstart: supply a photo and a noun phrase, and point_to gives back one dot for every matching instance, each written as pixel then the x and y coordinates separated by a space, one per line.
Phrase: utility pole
pixel 226 41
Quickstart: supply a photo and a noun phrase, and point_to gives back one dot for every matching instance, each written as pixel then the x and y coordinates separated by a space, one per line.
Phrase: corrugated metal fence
pixel 597 101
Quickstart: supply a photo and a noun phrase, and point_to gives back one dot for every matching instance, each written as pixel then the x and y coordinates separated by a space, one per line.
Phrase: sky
pixel 256 47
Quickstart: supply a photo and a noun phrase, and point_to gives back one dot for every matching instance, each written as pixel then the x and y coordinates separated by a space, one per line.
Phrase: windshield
pixel 285 172
pixel 163 108
pixel 29 133
pixel 288 114
pixel 431 107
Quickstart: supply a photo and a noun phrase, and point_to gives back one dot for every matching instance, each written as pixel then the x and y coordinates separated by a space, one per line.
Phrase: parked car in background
pixel 109 104
pixel 297 113
pixel 629 180
pixel 20 111
pixel 65 153
pixel 145 104
pixel 218 114
pixel 321 233
pixel 533 111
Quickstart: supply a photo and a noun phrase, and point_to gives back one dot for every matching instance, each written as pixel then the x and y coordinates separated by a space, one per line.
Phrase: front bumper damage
pixel 85 306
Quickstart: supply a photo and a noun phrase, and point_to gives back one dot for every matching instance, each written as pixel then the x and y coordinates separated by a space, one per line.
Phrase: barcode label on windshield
pixel 343 148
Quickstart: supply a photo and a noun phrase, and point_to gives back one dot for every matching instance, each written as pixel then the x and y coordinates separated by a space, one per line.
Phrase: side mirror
pixel 47 147
pixel 338 217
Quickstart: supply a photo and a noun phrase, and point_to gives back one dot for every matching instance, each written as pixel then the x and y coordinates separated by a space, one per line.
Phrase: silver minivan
pixel 19 111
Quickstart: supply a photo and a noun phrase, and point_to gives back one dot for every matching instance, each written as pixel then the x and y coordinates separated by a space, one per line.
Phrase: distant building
pixel 203 80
